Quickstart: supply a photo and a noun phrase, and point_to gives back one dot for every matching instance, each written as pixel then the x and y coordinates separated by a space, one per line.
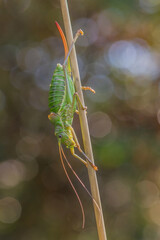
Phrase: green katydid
pixel 62 103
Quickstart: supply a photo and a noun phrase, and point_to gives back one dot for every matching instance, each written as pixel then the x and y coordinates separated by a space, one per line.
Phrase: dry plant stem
pixel 84 124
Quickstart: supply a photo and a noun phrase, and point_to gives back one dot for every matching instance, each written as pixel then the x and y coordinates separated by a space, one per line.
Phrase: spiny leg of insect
pixel 75 138
pixel 76 156
pixel 79 32
pixel 79 100
pixel 84 88
pixel 75 94
pixel 88 88
pixel 79 148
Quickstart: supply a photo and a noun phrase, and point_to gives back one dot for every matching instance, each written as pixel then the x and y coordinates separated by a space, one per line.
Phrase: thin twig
pixel 84 124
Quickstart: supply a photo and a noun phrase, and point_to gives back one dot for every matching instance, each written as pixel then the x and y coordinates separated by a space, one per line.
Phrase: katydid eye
pixel 60 136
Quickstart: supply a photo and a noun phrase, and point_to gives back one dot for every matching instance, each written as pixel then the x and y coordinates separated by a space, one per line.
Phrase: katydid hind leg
pixel 79 32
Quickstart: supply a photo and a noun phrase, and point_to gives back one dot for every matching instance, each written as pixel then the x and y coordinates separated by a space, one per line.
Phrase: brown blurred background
pixel 119 57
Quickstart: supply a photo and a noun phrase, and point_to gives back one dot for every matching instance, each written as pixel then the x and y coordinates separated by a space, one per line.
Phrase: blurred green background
pixel 119 57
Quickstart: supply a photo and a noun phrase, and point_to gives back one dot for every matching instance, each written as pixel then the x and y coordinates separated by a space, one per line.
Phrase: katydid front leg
pixel 79 148
pixel 79 100
pixel 76 156
pixel 83 161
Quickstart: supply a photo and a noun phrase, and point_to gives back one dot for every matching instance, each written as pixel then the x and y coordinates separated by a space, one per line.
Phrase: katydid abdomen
pixel 62 109
pixel 57 93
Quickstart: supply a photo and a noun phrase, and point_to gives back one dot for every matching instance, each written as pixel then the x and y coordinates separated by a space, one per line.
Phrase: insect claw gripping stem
pixel 88 88
pixel 81 32
pixel 89 161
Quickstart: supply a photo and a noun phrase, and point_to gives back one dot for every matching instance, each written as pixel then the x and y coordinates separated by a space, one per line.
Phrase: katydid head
pixel 60 132
pixel 65 139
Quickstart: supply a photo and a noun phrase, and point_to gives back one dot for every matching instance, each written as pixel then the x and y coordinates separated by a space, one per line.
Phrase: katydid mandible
pixel 63 100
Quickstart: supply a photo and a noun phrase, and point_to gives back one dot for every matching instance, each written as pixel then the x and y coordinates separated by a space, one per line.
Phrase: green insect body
pixel 62 106
pixel 62 103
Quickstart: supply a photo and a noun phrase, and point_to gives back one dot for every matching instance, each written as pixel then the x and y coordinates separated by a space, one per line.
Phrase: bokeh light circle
pixel 100 124
pixel 10 210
